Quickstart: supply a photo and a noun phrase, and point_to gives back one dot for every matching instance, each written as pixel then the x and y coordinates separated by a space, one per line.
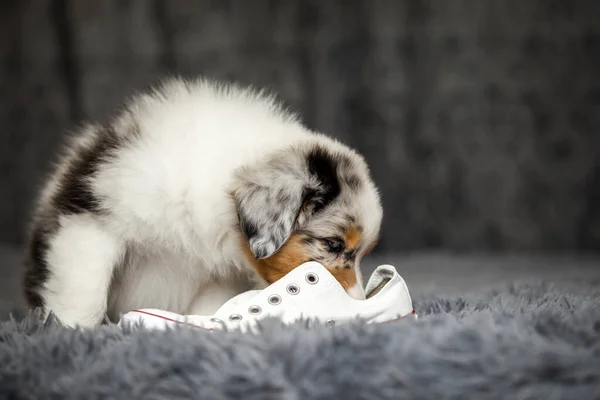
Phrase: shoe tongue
pixel 380 277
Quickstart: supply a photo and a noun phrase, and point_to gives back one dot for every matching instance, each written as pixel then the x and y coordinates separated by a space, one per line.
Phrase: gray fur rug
pixel 528 341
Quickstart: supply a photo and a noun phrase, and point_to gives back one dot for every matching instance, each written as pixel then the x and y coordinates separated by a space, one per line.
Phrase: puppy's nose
pixel 357 292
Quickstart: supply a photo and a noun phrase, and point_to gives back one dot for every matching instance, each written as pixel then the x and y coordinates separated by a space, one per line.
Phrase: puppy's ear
pixel 278 196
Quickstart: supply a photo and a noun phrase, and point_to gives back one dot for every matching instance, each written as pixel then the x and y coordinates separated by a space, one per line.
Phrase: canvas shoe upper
pixel 309 292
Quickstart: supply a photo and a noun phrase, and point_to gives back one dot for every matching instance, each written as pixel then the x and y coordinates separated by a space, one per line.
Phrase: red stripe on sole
pixel 413 313
pixel 171 320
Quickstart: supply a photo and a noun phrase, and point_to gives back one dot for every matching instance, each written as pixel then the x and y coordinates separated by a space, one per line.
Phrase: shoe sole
pixel 413 314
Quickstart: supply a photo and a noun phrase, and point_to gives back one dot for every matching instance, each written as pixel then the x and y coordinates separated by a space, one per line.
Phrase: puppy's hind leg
pixel 80 258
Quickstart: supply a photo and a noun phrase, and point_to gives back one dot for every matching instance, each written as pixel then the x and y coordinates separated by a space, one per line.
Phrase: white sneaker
pixel 308 292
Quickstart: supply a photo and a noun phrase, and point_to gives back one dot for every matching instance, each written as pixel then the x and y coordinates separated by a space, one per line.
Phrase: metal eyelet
pixel 330 323
pixel 254 310
pixel 292 288
pixel 235 317
pixel 274 299
pixel 312 278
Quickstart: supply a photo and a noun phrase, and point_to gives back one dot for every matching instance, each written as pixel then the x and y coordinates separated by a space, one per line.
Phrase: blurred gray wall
pixel 480 118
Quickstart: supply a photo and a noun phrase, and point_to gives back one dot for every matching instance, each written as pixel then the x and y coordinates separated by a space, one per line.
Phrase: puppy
pixel 193 193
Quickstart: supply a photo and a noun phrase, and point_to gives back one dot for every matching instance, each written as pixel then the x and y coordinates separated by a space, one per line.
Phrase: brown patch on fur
pixel 292 254
pixel 352 236
pixel 346 277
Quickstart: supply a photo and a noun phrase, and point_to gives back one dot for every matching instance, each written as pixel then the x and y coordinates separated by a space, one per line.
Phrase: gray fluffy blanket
pixel 536 341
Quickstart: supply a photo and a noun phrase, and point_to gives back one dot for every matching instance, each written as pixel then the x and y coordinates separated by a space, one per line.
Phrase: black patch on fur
pixel 75 194
pixel 346 166
pixel 308 194
pixel 323 166
pixel 349 255
pixel 248 227
pixel 37 270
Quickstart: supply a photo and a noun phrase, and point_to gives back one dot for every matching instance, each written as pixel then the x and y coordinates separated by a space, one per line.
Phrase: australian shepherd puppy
pixel 194 192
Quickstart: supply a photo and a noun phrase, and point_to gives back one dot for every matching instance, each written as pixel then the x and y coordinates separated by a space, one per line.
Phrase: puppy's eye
pixel 334 246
